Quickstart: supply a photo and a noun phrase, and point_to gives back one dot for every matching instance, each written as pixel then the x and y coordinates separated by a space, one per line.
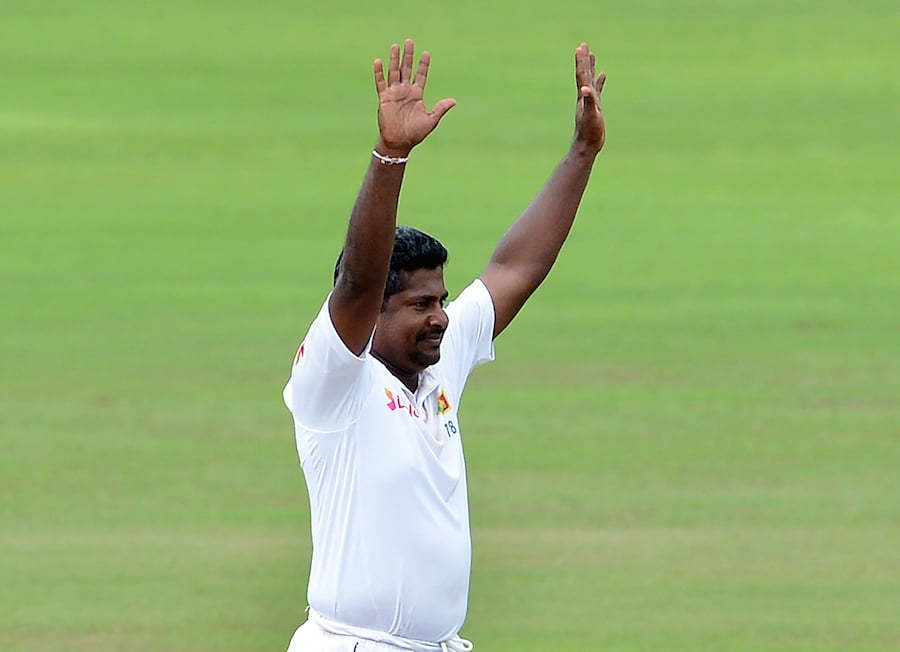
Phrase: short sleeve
pixel 327 387
pixel 468 341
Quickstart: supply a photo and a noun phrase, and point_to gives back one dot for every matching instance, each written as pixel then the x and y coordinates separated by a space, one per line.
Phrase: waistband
pixel 455 644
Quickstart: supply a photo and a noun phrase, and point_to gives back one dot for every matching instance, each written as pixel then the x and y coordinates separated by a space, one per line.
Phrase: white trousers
pixel 309 637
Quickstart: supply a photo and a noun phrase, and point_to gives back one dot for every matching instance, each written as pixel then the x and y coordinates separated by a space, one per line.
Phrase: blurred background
pixel 690 439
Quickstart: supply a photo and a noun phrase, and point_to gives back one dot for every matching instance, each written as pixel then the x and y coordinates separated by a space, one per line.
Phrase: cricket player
pixel 377 384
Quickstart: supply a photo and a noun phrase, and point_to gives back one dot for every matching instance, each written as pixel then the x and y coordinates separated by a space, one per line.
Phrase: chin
pixel 428 359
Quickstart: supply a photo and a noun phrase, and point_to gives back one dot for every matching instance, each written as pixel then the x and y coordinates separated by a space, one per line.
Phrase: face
pixel 409 330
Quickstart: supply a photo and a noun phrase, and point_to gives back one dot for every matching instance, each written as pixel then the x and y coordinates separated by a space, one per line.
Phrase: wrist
pixel 392 151
pixel 389 160
pixel 584 149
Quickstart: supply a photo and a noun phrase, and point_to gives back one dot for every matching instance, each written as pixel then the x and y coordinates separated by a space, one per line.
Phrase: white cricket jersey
pixel 387 480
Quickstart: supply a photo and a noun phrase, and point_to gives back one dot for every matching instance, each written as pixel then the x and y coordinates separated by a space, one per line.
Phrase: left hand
pixel 590 127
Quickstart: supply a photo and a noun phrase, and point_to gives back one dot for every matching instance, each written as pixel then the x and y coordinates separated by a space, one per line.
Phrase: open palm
pixel 403 120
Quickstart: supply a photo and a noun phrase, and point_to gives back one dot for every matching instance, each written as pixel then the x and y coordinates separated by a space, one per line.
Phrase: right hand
pixel 403 120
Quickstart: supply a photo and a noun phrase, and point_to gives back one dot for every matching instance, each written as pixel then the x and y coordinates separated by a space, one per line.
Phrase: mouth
pixel 432 339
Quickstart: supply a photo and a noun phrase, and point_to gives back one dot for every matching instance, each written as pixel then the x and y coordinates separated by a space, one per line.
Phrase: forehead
pixel 419 282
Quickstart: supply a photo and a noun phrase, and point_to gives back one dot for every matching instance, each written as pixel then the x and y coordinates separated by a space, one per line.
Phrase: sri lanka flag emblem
pixel 443 405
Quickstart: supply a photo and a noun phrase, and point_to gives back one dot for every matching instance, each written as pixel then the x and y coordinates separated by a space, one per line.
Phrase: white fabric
pixel 311 637
pixel 387 481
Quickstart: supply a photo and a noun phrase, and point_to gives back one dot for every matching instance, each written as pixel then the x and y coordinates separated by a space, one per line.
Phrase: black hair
pixel 413 250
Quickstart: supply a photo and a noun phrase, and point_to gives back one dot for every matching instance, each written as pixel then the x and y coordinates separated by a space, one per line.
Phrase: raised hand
pixel 590 128
pixel 403 120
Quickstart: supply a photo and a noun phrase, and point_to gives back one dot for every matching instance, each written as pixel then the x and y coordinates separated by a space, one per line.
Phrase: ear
pixel 377 329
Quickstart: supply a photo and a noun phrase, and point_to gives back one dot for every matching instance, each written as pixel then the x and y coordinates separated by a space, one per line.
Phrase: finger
pixel 394 66
pixel 590 98
pixel 380 84
pixel 422 72
pixel 406 66
pixel 441 108
pixel 578 57
pixel 601 80
pixel 583 74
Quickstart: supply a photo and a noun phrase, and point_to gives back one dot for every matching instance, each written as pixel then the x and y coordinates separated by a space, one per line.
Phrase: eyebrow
pixel 429 297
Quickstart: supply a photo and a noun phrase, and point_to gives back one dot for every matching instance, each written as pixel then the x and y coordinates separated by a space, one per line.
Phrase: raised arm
pixel 529 248
pixel 403 123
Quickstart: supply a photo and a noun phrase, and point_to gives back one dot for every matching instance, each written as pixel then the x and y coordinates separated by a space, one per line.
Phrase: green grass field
pixel 691 438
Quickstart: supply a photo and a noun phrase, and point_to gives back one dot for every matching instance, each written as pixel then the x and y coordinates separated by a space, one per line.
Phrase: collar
pixel 428 383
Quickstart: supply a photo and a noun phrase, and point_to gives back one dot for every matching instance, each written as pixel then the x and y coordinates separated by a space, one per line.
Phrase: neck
pixel 411 380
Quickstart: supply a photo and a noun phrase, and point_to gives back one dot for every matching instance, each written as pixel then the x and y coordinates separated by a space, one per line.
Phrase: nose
pixel 438 319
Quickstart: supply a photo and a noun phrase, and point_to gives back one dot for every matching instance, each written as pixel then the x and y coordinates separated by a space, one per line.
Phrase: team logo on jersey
pixel 300 353
pixel 443 405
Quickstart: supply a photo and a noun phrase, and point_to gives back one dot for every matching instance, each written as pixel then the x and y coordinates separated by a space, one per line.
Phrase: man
pixel 377 382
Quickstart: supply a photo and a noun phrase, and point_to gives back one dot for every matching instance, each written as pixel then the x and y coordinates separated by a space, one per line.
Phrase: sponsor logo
pixel 396 402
